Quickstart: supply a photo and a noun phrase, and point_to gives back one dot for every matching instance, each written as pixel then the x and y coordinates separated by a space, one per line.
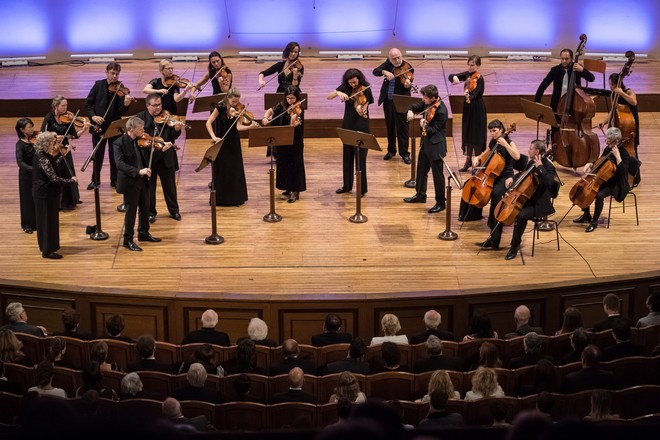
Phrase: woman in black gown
pixel 290 159
pixel 219 74
pixel 24 158
pixel 352 90
pixel 290 70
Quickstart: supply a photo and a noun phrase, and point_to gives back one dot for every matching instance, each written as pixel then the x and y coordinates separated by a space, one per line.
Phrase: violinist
pixel 171 94
pixel 474 111
pixel 539 204
pixel 290 70
pixel 433 146
pixel 104 106
pixel 133 174
pixel 395 123
pixel 52 122
pixel 228 172
pixel 24 159
pixel 47 183
pixel 165 162
pixel 290 160
pixel 617 186
pixel 218 73
pixel 508 151
pixel 356 96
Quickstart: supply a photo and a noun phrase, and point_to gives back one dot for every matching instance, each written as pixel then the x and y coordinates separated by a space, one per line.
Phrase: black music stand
pixel 271 137
pixel 272 99
pixel 448 234
pixel 358 140
pixel 539 113
pixel 205 103
pixel 402 104
pixel 209 158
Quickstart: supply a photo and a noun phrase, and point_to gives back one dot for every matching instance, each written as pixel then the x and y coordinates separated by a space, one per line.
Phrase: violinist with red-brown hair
pixel 433 146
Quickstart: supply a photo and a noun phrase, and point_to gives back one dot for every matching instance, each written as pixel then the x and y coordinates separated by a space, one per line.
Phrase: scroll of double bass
pixel 620 115
pixel 575 145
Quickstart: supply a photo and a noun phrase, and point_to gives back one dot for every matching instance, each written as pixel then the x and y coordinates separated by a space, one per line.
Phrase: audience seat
pixel 292 415
pixel 478 412
pixel 212 381
pixel 187 351
pixel 263 355
pixel 119 352
pixel 276 356
pixel 326 414
pixel 259 389
pixel 20 374
pixel 241 415
pixel 636 401
pixel 647 337
pixel 395 385
pixel 327 384
pixel 112 380
pixel 9 404
pixel 279 384
pixel 169 354
pixel 631 371
pixel 194 408
pixel 67 379
pixel 77 352
pixel 33 347
pixel 469 350
pixel 375 356
pixel 156 383
pixel 331 353
pixel 142 410
pixel 560 345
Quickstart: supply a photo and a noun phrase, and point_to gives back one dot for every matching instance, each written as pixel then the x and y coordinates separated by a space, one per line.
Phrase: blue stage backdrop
pixel 57 29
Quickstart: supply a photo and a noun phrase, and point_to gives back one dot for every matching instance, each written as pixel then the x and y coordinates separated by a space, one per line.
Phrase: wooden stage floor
pixel 315 250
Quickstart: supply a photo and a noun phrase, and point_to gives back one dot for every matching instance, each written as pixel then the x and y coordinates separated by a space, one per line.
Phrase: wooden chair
pixel 394 385
pixel 263 355
pixel 119 352
pixel 67 379
pixel 144 410
pixel 9 404
pixel 636 401
pixel 259 389
pixel 306 352
pixel 112 380
pixel 292 415
pixel 469 351
pixel 279 384
pixel 522 376
pixel 560 345
pixel 595 66
pixel 168 354
pixel 33 347
pixel 421 384
pixel 563 370
pixel 456 406
pixel 478 411
pixel 647 337
pixel 76 351
pixel 375 357
pixel 327 384
pixel 194 408
pixel 158 384
pixel 187 351
pixel 602 339
pixel 411 411
pixel 331 353
pixel 20 374
pixel 212 381
pixel 326 414
pixel 241 415
pixel 515 348
pixel 631 371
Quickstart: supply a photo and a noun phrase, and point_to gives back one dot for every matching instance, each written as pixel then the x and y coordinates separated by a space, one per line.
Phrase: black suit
pixel 199 423
pixel 527 359
pixel 195 393
pixel 621 350
pixel 588 379
pixel 130 159
pixel 608 322
pixel 555 77
pixel 24 327
pixel 349 364
pixel 307 365
pixel 438 362
pixel 523 330
pixel 421 338
pixel 443 419
pixel 149 365
pixel 293 396
pixel 330 338
pixel 207 336
pixel 395 123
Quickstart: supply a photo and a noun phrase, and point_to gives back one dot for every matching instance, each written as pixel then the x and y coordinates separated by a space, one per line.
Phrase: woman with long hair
pixel 440 381
pixel 484 384
pixel 349 388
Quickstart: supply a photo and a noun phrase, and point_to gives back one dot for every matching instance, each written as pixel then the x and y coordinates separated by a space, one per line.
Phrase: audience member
pixel 521 317
pixel 349 388
pixel 440 381
pixel 390 326
pixel 92 379
pixel 489 357
pixel 572 319
pixel 532 345
pixel 579 340
pixel 195 389
pixel 17 317
pixel 590 377
pixel 258 331
pixel 354 362
pixel 114 325
pixel 436 360
pixel 480 326
pixel 295 392
pixel 245 360
pixel 653 318
pixel 331 334
pixel 545 379
pixel 390 358
pixel 6 385
pixel 242 386
pixel 207 334
pixel 44 379
pixel 344 407
pixel 10 349
pixel 291 352
pixel 498 413
pixel 530 425
pixel 172 412
pixel 99 353
pixel 601 407
pixel 432 321
pixel 146 347
pixel 544 404
pixel 438 415
pixel 71 322
pixel 623 347
pixel 205 355
pixel 611 308
pixel 55 350
pixel 484 384
pixel 132 388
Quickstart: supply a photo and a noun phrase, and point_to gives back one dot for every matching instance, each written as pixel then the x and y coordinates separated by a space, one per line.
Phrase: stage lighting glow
pixel 532 25
pixel 175 26
pixel 612 26
pixel 94 26
pixel 433 24
pixel 26 28
pixel 364 27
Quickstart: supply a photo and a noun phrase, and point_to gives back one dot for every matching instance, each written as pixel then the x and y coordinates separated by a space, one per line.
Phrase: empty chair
pixel 241 415
pixel 292 415
pixel 194 408
pixel 391 386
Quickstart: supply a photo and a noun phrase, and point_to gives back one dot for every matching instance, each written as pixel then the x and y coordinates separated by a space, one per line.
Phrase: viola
pixel 620 115
pixel 585 190
pixel 166 117
pixel 360 100
pixel 148 141
pixel 478 188
pixel 405 73
pixel 471 84
pixel 179 82
pixel 575 145
pixel 78 122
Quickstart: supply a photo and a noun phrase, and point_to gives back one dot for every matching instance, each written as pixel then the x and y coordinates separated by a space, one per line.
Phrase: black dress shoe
pixel 342 191
pixel 295 195
pixel 388 156
pixel 176 216
pixel 132 246
pixel 584 218
pixel 407 160
pixel 513 251
pixel 464 169
pixel 437 208
pixel 52 256
pixel 149 237
pixel 591 227
pixel 488 245
pixel 91 186
pixel 28 230
pixel 113 184
pixel 122 207
pixel 152 219
pixel 415 199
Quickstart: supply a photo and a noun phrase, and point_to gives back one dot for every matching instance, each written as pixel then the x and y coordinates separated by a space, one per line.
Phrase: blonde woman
pixel 601 407
pixel 10 349
pixel 390 326
pixel 440 381
pixel 349 388
pixel 484 384
pixel 168 87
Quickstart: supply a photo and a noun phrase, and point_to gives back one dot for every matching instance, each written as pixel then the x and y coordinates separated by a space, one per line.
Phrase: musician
pixel 507 149
pixel 228 172
pixel 290 159
pixel 617 186
pixel 47 182
pixel 170 94
pixel 216 66
pixel 103 107
pixel 433 146
pixel 539 204
pixel 395 123
pixel 24 159
pixel 59 106
pixel 133 182
pixel 356 118
pixel 559 76
pixel 290 71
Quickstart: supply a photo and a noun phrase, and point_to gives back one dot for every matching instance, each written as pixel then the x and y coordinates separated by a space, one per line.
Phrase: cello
pixel 478 188
pixel 575 145
pixel 620 115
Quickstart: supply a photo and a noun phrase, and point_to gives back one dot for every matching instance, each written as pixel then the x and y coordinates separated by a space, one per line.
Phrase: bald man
pixel 172 411
pixel 291 352
pixel 295 392
pixel 522 316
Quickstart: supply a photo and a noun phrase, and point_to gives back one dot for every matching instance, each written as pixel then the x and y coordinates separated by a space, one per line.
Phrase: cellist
pixel 617 186
pixel 539 204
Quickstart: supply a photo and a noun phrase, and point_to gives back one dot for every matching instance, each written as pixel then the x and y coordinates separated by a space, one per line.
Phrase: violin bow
pixel 180 76
pixel 278 75
pixel 287 110
pixel 209 81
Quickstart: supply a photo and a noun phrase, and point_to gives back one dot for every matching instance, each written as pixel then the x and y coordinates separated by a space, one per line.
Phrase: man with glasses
pixel 18 317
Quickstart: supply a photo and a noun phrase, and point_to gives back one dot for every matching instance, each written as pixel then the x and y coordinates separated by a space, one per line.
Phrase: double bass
pixel 575 145
pixel 620 115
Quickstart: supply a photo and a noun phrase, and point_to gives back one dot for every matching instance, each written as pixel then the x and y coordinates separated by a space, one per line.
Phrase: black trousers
pixel 496 228
pixel 168 183
pixel 397 129
pixel 136 200
pixel 599 203
pixel 98 159
pixel 28 216
pixel 424 164
pixel 520 224
pixel 48 224
pixel 349 160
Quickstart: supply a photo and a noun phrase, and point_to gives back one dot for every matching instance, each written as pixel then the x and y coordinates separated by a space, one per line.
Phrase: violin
pixel 119 88
pixel 478 188
pixel 574 144
pixel 430 114
pixel 79 122
pixel 166 117
pixel 247 118
pixel 360 100
pixel 294 114
pixel 297 64
pixel 471 84
pixel 176 80
pixel 148 141
pixel 620 115
pixel 33 137
pixel 405 73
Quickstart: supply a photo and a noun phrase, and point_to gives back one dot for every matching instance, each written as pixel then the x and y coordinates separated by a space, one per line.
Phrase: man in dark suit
pixel 433 146
pixel 172 412
pixel 590 377
pixel 207 334
pixel 432 321
pixel 623 347
pixel 133 174
pixel 331 334
pixel 295 392
pixel 438 416
pixel 579 340
pixel 195 389
pixel 436 360
pixel 559 76
pixel 395 123
pixel 114 325
pixel 611 308
pixel 532 345
pixel 71 322
pixel 291 351
pixel 146 347
pixel 354 362
pixel 17 317
pixel 522 315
